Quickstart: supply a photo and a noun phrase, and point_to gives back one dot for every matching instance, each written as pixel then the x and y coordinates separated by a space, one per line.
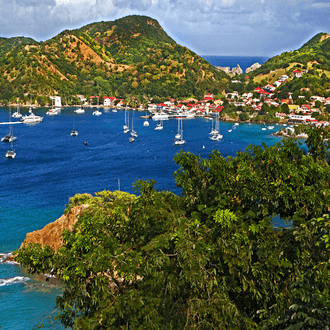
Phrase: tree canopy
pixel 208 259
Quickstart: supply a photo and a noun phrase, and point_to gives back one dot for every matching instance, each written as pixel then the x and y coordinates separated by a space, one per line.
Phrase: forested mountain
pixel 8 44
pixel 314 53
pixel 130 56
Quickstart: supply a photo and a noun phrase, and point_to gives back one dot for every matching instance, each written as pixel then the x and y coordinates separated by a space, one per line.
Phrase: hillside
pixel 314 54
pixel 8 44
pixel 131 56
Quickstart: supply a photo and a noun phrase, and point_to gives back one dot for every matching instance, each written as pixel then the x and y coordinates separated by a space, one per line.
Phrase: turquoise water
pixel 51 166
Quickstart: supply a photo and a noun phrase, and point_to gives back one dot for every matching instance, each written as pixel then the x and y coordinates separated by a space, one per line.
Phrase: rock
pixel 236 70
pixel 50 234
pixel 253 67
pixel 225 69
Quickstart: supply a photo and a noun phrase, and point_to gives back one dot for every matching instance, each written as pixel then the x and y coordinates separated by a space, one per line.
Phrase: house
pixel 247 95
pixel 280 115
pixel 108 101
pixel 277 83
pixel 208 96
pixel 297 73
pixel 284 77
pixel 57 100
pixel 81 98
pixel 300 117
pixel 317 98
pixel 269 88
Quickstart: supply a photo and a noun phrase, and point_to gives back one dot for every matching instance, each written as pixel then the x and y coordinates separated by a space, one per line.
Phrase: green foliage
pixel 130 56
pixel 210 259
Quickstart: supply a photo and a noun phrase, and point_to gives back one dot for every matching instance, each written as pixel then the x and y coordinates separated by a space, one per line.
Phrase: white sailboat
pixel 146 123
pixel 215 134
pixel 17 113
pixel 53 111
pixel 178 135
pixel 125 126
pixel 74 132
pixel 10 136
pixel 79 109
pixel 97 112
pixel 133 133
pixel 159 126
pixel 11 153
pixel 180 140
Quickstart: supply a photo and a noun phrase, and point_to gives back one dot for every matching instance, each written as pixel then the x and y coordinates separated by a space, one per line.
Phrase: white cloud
pixel 195 23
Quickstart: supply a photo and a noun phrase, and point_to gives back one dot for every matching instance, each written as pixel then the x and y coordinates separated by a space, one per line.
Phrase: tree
pixel 208 259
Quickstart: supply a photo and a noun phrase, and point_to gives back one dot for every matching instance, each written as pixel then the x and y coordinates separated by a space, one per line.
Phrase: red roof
pixel 208 98
pixel 161 105
pixel 218 109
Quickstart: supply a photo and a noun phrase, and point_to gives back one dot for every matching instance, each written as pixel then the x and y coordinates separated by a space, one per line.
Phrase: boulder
pixel 236 70
pixel 51 234
pixel 253 67
pixel 225 69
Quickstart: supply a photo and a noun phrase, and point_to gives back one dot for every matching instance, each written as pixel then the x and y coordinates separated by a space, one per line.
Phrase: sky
pixel 207 27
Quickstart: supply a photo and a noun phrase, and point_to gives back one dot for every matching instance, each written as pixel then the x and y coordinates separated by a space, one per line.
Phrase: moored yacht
pixel 97 113
pixel 160 115
pixel 159 126
pixel 31 119
pixel 11 153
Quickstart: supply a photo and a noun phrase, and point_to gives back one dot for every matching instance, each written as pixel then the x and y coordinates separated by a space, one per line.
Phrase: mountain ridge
pixel 129 56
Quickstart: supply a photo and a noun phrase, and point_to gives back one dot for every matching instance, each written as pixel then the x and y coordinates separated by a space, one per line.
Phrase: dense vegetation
pixel 317 49
pixel 209 259
pixel 8 44
pixel 132 56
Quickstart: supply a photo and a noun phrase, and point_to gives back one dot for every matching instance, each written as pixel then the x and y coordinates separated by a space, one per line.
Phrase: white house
pixel 57 100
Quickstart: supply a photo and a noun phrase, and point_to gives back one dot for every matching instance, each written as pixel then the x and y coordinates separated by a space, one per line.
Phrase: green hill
pixel 131 56
pixel 314 53
pixel 8 44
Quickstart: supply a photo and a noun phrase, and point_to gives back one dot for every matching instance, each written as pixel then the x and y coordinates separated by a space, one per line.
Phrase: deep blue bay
pixel 52 166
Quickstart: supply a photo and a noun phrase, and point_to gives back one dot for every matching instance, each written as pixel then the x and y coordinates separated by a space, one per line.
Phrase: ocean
pixel 52 166
pixel 232 61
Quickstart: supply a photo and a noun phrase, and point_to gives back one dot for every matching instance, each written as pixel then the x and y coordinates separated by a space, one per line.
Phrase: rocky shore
pixel 51 234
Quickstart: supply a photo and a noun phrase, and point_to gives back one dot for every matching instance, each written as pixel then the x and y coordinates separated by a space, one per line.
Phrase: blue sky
pixel 208 27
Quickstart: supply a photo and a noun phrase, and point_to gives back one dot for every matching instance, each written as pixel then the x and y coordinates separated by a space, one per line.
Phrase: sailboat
pixel 10 136
pixel 125 126
pixel 79 109
pixel 53 111
pixel 97 112
pixel 216 136
pixel 74 132
pixel 180 140
pixel 213 130
pixel 11 153
pixel 159 126
pixel 146 123
pixel 17 113
pixel 178 135
pixel 133 133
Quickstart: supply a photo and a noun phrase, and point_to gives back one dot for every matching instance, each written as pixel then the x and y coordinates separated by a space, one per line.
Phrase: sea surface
pixel 232 61
pixel 51 166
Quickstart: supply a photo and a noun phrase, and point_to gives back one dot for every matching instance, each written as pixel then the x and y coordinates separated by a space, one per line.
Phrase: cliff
pixel 234 71
pixel 51 233
pixel 253 67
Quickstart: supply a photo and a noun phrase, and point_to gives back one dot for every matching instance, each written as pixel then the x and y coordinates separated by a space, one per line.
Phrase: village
pixel 252 104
